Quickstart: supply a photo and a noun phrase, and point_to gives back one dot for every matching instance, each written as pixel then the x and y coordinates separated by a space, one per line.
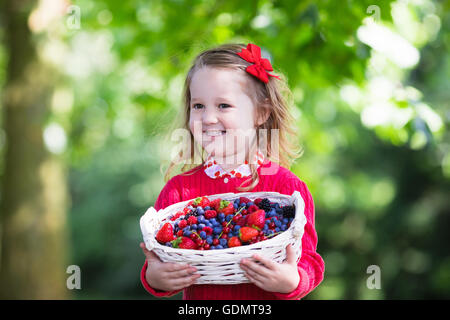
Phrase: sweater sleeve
pixel 311 266
pixel 168 195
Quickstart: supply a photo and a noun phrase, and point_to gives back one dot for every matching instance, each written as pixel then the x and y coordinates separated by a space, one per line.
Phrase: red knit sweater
pixel 311 265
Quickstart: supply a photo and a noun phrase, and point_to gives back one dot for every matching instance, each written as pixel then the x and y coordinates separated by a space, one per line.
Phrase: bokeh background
pixel 90 88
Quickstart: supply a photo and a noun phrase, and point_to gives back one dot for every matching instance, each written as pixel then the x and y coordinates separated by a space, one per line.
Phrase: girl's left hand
pixel 272 276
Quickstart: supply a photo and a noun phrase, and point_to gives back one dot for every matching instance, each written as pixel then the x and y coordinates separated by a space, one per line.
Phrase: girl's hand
pixel 167 276
pixel 272 276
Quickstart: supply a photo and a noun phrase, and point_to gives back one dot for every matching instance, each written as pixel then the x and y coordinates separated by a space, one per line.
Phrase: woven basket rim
pixel 164 214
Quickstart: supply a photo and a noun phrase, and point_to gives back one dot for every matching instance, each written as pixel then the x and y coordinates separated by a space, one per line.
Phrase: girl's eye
pixel 197 106
pixel 224 105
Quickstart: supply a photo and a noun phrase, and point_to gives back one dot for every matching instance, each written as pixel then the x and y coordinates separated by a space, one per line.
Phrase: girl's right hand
pixel 167 276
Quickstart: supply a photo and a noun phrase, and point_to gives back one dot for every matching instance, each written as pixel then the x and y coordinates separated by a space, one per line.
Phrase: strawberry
pixel 228 209
pixel 184 243
pixel 165 234
pixel 256 219
pixel 215 204
pixel 204 202
pixel 247 233
pixel 234 242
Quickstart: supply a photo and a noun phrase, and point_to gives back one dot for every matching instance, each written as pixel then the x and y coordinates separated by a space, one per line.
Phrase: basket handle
pixel 146 227
pixel 300 219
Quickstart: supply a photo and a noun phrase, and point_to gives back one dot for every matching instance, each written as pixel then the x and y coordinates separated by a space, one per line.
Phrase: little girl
pixel 229 94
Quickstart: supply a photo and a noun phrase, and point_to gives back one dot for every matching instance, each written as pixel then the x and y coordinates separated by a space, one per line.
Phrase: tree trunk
pixel 33 207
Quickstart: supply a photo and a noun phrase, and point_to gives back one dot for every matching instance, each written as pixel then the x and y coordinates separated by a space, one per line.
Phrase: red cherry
pixel 215 242
pixel 224 223
pixel 237 217
pixel 206 246
pixel 224 236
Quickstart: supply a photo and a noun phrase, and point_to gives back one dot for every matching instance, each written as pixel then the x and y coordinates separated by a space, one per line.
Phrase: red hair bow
pixel 261 66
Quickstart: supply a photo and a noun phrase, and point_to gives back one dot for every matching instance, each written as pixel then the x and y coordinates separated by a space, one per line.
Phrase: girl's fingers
pixel 181 283
pixel 266 262
pixel 182 273
pixel 254 275
pixel 290 255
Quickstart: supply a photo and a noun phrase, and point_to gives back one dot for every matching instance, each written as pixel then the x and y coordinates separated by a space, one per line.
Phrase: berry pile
pixel 219 224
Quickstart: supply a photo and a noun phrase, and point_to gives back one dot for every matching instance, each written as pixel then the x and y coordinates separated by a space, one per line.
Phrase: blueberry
pixel 277 229
pixel 187 233
pixel 228 217
pixel 219 246
pixel 208 223
pixel 212 220
pixel 221 215
pixel 278 223
pixel 266 227
pixel 187 228
pixel 272 213
pixel 223 242
pixel 283 227
pixel 169 244
pixel 200 211
pixel 270 232
pixel 237 227
pixel 201 226
pixel 250 203
pixel 202 234
pixel 207 208
pixel 212 248
pixel 230 234
pixel 285 220
pixel 194 227
pixel 209 240
pixel 217 230
pixel 236 206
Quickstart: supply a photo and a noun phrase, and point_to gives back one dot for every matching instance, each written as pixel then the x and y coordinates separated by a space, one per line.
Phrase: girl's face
pixel 219 107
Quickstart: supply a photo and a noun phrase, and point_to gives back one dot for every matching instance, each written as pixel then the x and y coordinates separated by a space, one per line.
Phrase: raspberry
pixel 182 224
pixel 210 214
pixel 192 220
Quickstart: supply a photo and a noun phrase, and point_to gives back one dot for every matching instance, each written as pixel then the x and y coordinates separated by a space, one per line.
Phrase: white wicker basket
pixel 222 266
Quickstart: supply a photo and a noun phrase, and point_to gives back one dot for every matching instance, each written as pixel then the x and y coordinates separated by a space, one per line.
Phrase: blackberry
pixel 288 211
pixel 265 205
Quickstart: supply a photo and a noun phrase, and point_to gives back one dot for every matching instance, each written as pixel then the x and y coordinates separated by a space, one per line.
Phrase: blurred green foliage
pixel 377 153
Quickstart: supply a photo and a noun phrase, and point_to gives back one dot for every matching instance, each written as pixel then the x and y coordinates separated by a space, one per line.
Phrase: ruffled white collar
pixel 214 170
